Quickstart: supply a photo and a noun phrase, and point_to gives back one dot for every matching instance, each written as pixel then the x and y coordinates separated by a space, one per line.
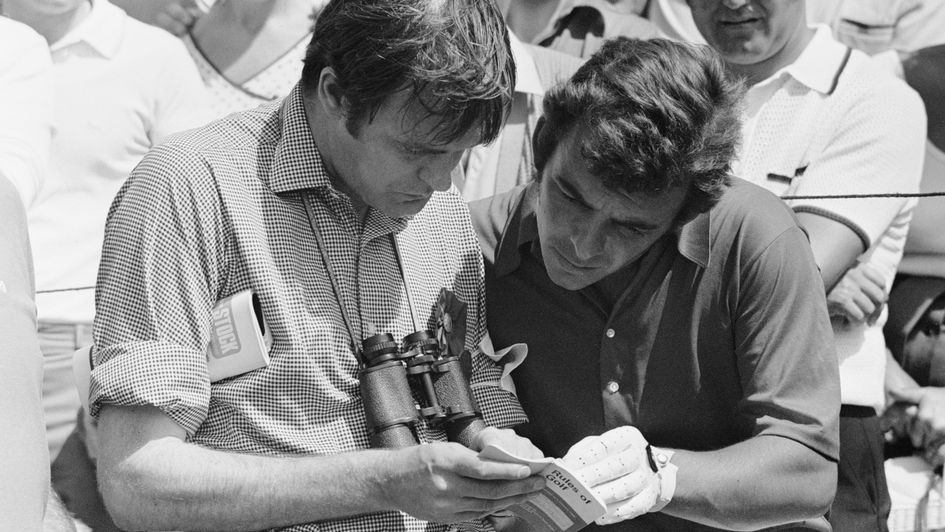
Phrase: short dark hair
pixel 652 114
pixel 454 55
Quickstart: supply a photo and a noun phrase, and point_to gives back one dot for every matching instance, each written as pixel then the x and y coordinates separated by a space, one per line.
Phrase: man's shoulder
pixel 490 216
pixel 243 130
pixel 229 145
pixel 865 81
pixel 750 214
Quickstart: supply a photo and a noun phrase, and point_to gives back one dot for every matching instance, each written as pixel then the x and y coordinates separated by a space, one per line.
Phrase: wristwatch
pixel 666 471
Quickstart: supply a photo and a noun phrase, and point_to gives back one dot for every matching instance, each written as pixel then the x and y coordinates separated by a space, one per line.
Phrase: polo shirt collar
pixel 692 242
pixel 298 163
pixel 102 30
pixel 527 80
pixel 820 64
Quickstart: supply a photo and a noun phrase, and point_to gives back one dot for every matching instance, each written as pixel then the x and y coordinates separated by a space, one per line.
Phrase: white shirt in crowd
pixel 26 88
pixel 925 248
pixel 872 26
pixel 120 87
pixel 835 123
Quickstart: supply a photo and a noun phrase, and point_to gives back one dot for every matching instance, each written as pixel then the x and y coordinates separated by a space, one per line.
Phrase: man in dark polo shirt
pixel 655 291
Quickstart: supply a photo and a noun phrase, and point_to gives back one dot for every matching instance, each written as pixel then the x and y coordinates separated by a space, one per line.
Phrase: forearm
pixel 897 380
pixel 172 485
pixel 761 482
pixel 152 479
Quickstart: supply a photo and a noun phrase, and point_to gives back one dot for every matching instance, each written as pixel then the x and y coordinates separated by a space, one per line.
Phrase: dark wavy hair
pixel 652 115
pixel 453 55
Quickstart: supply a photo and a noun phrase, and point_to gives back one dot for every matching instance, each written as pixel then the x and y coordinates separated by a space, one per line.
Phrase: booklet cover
pixel 565 505
pixel 240 339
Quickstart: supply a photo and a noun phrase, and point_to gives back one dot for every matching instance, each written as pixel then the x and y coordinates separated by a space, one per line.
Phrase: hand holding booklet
pixel 564 505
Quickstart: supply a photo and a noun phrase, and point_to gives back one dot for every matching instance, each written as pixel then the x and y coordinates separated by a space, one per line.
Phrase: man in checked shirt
pixel 390 96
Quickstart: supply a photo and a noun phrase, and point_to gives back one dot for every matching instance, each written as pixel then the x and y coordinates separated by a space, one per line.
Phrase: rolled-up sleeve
pixel 163 265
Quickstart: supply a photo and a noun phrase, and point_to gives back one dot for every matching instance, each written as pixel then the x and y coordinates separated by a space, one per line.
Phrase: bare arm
pixel 175 16
pixel 735 487
pixel 151 478
pixel 834 244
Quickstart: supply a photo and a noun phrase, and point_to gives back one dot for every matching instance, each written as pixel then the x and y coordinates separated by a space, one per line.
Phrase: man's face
pixel 589 231
pixel 747 32
pixel 394 163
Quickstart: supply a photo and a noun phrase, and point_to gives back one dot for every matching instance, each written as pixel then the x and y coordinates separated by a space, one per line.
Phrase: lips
pixel 739 22
pixel 564 259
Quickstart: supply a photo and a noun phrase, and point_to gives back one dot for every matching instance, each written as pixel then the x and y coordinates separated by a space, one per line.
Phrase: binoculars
pixel 386 375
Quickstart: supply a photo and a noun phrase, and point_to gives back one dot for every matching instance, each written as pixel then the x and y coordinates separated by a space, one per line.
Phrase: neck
pixel 757 72
pixel 318 123
pixel 51 27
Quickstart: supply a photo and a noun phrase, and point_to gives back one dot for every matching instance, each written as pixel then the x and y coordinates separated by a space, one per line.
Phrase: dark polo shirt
pixel 722 334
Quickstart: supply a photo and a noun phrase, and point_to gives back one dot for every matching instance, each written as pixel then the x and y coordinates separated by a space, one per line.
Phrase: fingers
pixel 476 468
pixel 631 507
pixel 177 19
pixel 594 448
pixel 624 487
pixel 613 467
pixel 875 277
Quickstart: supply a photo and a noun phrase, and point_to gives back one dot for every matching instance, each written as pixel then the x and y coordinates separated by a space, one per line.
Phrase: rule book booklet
pixel 565 504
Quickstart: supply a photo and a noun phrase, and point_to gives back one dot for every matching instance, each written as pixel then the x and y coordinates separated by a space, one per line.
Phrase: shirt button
pixel 611 333
pixel 613 387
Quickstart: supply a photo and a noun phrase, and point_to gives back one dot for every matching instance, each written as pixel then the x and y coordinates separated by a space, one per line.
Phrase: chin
pixel 404 210
pixel 567 279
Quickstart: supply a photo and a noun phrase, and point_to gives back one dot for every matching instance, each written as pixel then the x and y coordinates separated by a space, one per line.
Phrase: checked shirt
pixel 218 210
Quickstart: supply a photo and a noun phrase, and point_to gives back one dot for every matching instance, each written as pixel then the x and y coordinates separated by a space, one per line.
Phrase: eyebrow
pixel 420 146
pixel 638 223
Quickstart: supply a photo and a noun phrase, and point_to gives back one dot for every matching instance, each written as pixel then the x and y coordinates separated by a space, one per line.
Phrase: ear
pixel 538 127
pixel 329 94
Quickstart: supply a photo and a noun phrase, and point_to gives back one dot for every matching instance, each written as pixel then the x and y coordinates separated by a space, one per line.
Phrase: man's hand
pixel 616 466
pixel 178 17
pixel 925 419
pixel 859 296
pixel 448 483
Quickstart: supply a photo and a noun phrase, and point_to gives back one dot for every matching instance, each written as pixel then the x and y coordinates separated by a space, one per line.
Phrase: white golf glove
pixel 622 469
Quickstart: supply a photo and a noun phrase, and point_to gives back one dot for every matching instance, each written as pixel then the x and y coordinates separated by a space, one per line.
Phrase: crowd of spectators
pixel 718 222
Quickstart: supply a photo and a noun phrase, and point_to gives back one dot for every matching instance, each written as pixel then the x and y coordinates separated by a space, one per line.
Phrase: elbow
pixel 121 499
pixel 128 501
pixel 818 497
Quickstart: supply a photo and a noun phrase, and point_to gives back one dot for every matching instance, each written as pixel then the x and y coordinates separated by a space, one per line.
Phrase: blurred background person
pixel 250 52
pixel 26 502
pixel 820 121
pixel 576 27
pixel 508 161
pixel 25 108
pixel 177 16
pixel 119 88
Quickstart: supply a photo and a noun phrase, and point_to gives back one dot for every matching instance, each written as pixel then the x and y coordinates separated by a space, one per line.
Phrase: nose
pixel 735 4
pixel 587 244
